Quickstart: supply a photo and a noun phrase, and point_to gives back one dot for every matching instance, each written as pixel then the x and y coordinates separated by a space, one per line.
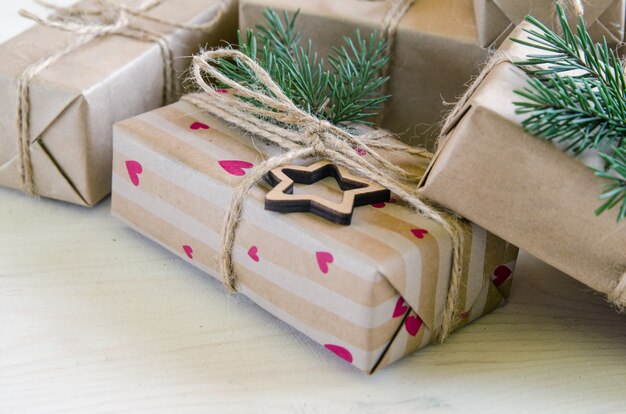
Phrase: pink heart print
pixel 198 125
pixel 500 275
pixel 360 151
pixel 384 203
pixel 340 351
pixel 188 251
pixel 400 308
pixel 323 260
pixel 134 169
pixel 235 167
pixel 412 324
pixel 253 252
pixel 419 233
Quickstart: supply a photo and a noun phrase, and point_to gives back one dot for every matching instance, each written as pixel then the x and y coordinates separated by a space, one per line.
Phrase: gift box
pixel 75 98
pixel 525 189
pixel 370 292
pixel 434 55
pixel 497 18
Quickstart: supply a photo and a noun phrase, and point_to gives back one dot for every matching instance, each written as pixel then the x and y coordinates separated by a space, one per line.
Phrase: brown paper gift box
pixel 436 52
pixel 497 18
pixel 77 99
pixel 526 189
pixel 371 292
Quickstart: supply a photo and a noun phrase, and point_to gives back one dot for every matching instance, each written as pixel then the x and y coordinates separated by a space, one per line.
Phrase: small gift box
pixel 526 189
pixel 66 81
pixel 497 18
pixel 371 292
pixel 434 51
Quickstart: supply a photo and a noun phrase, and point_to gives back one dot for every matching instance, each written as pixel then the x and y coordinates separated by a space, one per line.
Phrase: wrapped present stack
pixel 274 175
pixel 68 79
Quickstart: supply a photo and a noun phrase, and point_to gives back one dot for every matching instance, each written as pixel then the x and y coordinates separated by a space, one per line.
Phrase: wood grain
pixel 355 191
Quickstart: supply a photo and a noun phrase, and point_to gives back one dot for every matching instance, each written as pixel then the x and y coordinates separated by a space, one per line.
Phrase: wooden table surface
pixel 96 319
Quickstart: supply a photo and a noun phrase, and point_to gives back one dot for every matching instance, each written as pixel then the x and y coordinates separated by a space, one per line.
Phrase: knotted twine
pixel 105 19
pixel 617 294
pixel 301 135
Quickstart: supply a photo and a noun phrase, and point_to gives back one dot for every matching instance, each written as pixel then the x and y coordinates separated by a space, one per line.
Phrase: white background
pixel 96 319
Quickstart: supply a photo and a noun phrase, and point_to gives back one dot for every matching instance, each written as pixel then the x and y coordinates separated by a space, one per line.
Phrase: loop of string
pixel 103 19
pixel 278 121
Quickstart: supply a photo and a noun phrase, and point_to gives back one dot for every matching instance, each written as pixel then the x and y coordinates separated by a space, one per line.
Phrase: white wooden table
pixel 96 319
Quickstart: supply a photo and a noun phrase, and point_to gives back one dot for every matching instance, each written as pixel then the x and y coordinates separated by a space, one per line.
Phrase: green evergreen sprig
pixel 349 91
pixel 577 96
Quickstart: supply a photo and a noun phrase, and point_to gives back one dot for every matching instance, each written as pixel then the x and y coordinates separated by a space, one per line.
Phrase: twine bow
pixel 103 18
pixel 301 135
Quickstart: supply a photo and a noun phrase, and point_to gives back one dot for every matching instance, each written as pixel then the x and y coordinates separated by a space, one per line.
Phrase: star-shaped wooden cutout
pixel 356 191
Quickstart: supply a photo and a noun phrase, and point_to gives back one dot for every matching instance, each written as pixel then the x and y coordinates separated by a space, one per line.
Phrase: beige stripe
pixel 430 274
pixel 371 247
pixel 310 314
pixel 354 288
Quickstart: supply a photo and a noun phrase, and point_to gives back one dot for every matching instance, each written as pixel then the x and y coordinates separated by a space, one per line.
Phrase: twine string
pixel 391 20
pixel 300 135
pixel 104 19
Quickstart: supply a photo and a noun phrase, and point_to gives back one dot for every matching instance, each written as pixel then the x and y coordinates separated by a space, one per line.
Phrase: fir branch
pixel 354 94
pixel 576 96
pixel 350 93
pixel 615 189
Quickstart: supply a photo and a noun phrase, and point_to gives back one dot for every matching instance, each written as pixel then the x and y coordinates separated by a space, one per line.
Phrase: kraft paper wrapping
pixel 497 18
pixel 526 189
pixel 76 100
pixel 436 52
pixel 371 292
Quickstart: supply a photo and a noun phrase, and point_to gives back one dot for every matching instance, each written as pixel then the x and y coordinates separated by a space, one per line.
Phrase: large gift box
pixel 525 189
pixel 370 292
pixel 55 139
pixel 434 55
pixel 497 18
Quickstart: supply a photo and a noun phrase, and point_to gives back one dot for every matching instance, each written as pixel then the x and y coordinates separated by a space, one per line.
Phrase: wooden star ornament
pixel 356 191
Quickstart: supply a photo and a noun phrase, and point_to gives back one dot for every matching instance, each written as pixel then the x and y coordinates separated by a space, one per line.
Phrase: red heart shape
pixel 198 125
pixel 235 167
pixel 188 251
pixel 419 233
pixel 400 308
pixel 340 351
pixel 500 275
pixel 253 252
pixel 384 203
pixel 221 90
pixel 413 324
pixel 134 169
pixel 323 260
pixel 360 151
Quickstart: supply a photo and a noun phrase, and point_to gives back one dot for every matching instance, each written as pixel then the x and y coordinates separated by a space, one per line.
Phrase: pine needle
pixel 348 90
pixel 577 96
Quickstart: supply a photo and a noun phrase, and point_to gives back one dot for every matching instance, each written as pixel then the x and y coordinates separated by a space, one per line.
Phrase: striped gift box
pixel 370 292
